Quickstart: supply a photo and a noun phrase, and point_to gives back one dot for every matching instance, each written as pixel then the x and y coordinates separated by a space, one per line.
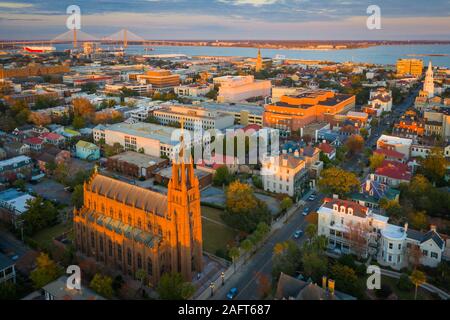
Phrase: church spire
pixel 259 62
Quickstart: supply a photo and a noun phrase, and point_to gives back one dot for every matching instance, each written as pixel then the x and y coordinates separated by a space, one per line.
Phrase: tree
pixel 141 275
pixel 243 210
pixel 264 285
pixel 45 272
pixel 314 264
pixel 102 285
pixel 376 160
pixel 358 235
pixel 8 291
pixel 374 122
pixel 335 180
pixel 311 231
pixel 221 176
pixel 234 254
pixel 434 166
pixel 415 255
pixel 110 151
pixel 77 198
pixel 257 182
pixel 286 203
pixel 404 283
pixel 286 258
pixel 40 119
pixel 346 279
pixel 392 207
pixel 78 122
pixel 172 287
pixel 364 132
pixel 354 144
pixel 38 215
pixel 417 278
pixel 247 245
pixel 419 220
pixel 83 108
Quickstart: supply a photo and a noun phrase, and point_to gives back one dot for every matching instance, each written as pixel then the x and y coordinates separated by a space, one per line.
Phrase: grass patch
pixel 216 235
pixel 44 238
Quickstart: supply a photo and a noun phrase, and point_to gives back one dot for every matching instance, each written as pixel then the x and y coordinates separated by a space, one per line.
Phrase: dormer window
pixel 350 211
pixel 342 209
pixel 335 207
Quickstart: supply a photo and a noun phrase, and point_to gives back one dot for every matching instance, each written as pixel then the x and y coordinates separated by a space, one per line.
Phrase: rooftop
pixel 136 158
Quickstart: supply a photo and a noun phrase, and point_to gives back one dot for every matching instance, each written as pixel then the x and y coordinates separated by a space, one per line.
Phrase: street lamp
pixel 222 275
pixel 211 285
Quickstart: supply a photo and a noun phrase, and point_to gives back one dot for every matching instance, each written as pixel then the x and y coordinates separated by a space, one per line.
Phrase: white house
pixel 353 228
pixel 284 174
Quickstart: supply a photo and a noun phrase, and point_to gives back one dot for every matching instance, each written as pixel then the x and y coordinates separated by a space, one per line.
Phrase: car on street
pixel 232 293
pixel 312 197
pixel 298 234
pixel 305 211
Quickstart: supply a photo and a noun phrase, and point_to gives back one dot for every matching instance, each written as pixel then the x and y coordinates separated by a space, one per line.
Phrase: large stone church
pixel 130 228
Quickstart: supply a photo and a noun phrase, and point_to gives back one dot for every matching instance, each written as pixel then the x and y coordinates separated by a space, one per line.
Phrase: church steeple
pixel 184 207
pixel 259 62
pixel 428 85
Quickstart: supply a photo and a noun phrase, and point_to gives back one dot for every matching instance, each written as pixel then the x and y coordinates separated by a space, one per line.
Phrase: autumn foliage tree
pixel 335 180
pixel 243 210
pixel 376 161
pixel 354 144
pixel 46 271
pixel 434 166
pixel 40 119
pixel 83 108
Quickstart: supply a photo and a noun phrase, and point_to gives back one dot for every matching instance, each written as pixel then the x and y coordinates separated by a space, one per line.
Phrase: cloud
pixel 15 5
pixel 255 3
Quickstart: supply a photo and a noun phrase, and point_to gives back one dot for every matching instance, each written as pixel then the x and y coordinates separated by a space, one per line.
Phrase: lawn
pixel 422 294
pixel 45 237
pixel 216 235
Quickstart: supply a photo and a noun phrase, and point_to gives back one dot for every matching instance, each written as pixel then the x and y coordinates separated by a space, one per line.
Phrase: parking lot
pixel 51 190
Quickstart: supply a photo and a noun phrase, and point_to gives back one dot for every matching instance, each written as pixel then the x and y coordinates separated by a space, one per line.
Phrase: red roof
pixel 390 153
pixel 252 127
pixel 326 148
pixel 51 136
pixel 394 170
pixel 33 140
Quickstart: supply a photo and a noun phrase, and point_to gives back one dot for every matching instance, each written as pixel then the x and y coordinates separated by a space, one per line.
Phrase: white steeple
pixel 428 85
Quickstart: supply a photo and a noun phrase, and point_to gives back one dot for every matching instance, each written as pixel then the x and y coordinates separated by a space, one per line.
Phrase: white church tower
pixel 428 85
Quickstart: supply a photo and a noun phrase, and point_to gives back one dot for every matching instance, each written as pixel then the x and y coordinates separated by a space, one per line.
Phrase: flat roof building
pixel 294 112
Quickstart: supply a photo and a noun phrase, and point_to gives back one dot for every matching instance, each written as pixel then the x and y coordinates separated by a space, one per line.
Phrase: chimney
pixel 324 283
pixel 406 227
pixel 433 227
pixel 335 196
pixel 331 286
pixel 296 154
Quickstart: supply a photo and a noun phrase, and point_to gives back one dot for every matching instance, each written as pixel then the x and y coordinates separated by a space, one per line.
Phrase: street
pixel 245 279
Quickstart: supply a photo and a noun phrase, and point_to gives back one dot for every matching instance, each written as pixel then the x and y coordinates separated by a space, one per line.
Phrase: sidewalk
pixel 244 258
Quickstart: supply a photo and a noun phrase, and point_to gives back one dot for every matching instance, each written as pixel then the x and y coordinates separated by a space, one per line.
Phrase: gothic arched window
pixel 139 261
pixel 149 267
pixel 129 257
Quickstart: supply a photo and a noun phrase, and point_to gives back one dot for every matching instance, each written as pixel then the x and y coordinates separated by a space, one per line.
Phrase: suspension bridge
pixel 123 37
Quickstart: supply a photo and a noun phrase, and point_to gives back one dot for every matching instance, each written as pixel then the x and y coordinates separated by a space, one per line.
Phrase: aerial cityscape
pixel 230 150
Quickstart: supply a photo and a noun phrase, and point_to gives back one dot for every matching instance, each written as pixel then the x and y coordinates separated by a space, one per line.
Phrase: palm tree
pixel 234 253
pixel 247 245
pixel 418 278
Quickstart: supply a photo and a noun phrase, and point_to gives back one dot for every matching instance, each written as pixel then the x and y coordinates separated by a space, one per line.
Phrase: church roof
pixel 129 194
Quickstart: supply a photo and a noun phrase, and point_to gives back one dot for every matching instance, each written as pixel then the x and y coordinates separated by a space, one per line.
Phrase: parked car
pixel 298 234
pixel 312 197
pixel 232 293
pixel 305 211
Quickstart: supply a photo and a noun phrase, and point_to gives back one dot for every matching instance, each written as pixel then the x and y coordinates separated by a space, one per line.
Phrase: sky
pixel 231 19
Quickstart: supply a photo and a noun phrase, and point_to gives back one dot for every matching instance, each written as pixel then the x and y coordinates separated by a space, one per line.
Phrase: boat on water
pixel 39 49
